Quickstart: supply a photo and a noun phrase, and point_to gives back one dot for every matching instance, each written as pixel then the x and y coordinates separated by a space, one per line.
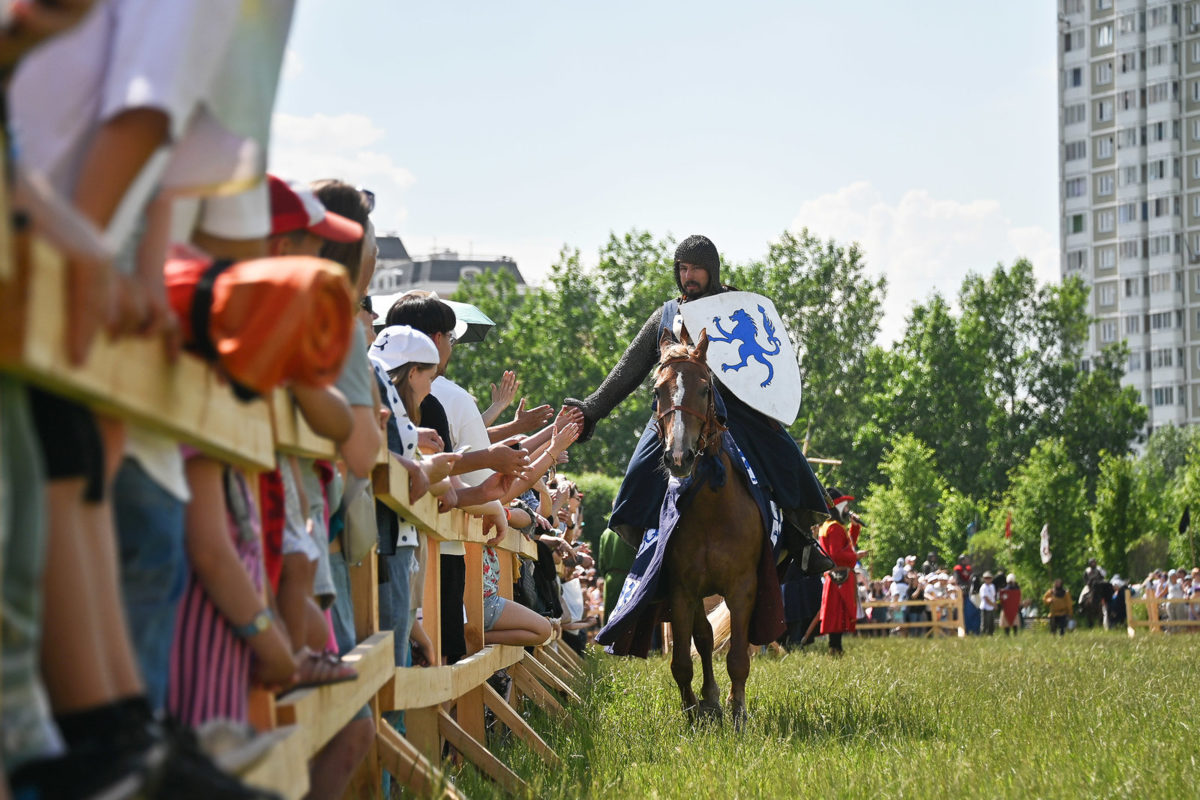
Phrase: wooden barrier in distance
pixel 132 379
pixel 946 616
pixel 1154 622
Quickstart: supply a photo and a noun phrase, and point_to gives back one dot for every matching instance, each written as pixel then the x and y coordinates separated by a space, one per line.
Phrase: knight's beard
pixel 692 290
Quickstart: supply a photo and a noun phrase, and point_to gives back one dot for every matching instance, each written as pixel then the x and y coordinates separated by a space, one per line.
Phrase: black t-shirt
pixel 434 416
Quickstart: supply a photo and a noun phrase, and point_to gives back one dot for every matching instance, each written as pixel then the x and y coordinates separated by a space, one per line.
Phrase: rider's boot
pixel 807 552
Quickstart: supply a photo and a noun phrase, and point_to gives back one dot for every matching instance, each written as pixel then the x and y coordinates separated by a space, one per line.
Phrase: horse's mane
pixel 677 350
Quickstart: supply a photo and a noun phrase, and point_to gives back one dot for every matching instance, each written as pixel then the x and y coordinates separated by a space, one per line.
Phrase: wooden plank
pixel 324 710
pixel 285 768
pixel 546 660
pixel 421 728
pixel 553 652
pixel 131 379
pixel 431 600
pixel 391 488
pixel 418 687
pixel 479 755
pixel 539 671
pixel 520 728
pixel 535 691
pixel 568 653
pixel 473 597
pixel 364 592
pixel 293 436
pixel 409 767
pixel 469 714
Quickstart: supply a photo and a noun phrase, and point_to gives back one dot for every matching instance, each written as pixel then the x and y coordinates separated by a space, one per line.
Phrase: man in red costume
pixel 839 600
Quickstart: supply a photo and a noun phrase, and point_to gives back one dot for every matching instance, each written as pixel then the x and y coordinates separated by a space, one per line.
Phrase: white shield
pixel 749 351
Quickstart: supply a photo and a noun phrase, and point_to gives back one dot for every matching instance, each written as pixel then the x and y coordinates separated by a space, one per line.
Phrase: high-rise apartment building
pixel 1129 163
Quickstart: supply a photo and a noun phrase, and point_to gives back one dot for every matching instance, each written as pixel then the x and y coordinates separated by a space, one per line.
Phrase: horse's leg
pixel 681 652
pixel 702 635
pixel 737 661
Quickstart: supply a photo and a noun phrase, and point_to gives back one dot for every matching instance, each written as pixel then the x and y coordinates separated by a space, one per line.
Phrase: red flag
pixel 1008 526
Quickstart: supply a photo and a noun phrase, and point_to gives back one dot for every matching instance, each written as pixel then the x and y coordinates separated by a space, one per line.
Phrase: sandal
pixel 322 669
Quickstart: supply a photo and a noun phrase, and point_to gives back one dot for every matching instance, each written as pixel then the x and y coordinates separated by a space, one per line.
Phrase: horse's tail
pixel 770 330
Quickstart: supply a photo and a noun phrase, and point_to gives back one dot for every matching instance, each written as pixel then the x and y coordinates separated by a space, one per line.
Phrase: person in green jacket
pixel 616 557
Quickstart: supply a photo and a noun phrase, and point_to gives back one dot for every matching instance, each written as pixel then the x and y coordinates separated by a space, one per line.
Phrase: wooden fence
pixel 135 381
pixel 946 616
pixel 1156 621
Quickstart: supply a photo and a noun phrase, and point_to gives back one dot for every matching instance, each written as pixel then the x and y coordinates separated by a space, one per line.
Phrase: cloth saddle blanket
pixel 642 607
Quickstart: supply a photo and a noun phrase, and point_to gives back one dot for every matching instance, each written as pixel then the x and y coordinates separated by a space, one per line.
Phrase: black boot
pixel 806 551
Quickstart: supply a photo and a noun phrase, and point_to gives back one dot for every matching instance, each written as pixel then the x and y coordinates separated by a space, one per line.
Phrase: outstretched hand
pixel 532 419
pixel 502 395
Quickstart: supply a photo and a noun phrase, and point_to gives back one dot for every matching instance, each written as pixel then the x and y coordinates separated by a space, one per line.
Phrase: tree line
pixel 980 410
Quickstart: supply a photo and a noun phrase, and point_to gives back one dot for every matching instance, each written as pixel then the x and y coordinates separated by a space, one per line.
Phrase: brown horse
pixel 716 545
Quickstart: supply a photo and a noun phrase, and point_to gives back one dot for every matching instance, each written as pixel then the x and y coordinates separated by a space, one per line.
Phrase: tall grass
pixel 1088 715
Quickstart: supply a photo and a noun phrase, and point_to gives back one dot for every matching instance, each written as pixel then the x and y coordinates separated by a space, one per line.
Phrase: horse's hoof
pixel 739 719
pixel 711 712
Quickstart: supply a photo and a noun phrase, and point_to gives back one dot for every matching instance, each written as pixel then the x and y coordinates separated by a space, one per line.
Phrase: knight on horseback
pixel 767 445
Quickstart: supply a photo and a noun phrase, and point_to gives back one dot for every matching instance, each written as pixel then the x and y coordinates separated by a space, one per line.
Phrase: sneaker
pixel 80 774
pixel 185 773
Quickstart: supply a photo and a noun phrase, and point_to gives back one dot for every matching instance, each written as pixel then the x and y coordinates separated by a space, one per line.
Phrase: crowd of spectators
pixel 148 586
pixel 1179 584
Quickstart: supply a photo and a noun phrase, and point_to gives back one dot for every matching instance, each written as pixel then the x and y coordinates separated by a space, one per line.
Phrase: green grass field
pixel 1091 715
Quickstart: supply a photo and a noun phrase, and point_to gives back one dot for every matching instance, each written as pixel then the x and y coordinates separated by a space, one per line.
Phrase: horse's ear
pixel 684 336
pixel 701 348
pixel 666 340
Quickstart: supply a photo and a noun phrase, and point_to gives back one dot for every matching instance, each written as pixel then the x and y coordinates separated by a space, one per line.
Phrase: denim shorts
pixel 493 607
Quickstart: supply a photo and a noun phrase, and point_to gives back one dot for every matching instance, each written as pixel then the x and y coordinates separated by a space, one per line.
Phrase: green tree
pixel 902 512
pixel 1046 488
pixel 1119 514
pixel 960 517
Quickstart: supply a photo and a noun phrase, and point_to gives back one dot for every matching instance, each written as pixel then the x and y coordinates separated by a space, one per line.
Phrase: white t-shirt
pixel 900 590
pixel 466 427
pixel 987 596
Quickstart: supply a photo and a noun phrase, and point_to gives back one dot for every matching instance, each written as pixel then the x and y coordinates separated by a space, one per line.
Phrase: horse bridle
pixel 712 427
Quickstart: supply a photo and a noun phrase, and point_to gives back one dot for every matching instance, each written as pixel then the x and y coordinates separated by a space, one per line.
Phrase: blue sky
pixel 926 131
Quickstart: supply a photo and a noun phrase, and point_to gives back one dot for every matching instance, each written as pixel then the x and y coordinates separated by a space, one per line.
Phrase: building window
pixel 1076 224
pixel 1104 111
pixel 1132 249
pixel 1076 187
pixel 1076 150
pixel 1104 73
pixel 1074 77
pixel 1107 294
pixel 1073 7
pixel 1104 185
pixel 1131 176
pixel 1075 113
pixel 1104 221
pixel 1133 324
pixel 1072 40
pixel 1164 395
pixel 1108 331
pixel 1128 212
pixel 1195 51
pixel 1104 147
pixel 1103 5
pixel 1135 361
pixel 1075 260
pixel 1104 36
pixel 1106 257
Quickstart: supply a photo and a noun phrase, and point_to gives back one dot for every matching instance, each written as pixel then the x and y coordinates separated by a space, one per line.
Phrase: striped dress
pixel 210 665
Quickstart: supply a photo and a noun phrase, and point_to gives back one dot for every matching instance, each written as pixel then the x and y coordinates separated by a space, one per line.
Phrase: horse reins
pixel 712 427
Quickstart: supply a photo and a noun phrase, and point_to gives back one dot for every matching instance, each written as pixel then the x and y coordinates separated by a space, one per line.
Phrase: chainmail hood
pixel 699 250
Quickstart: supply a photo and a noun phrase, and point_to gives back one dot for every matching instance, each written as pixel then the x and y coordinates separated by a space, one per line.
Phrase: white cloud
pixel 340 146
pixel 923 244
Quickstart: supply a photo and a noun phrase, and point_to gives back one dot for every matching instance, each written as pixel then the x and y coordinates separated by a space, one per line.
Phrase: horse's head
pixel 687 421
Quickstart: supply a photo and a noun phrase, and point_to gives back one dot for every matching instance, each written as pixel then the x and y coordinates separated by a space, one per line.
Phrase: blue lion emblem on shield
pixel 745 332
